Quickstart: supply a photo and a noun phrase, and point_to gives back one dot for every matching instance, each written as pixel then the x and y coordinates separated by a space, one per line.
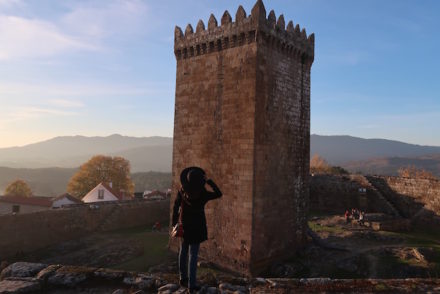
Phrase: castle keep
pixel 242 113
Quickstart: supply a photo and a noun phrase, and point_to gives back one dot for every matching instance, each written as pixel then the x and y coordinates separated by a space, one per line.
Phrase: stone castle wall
pixel 282 144
pixel 27 232
pixel 424 192
pixel 415 199
pixel 335 194
pixel 242 113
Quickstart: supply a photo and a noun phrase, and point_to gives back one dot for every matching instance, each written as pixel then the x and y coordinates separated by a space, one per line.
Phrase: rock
pixel 109 274
pixel 139 292
pixel 119 291
pixel 129 280
pixel 159 283
pixel 170 287
pixel 212 290
pixel 19 286
pixel 70 276
pixel 316 281
pixel 261 280
pixel 44 274
pixel 3 265
pixel 240 289
pixel 22 269
pixel 229 288
pixel 225 286
pixel 142 282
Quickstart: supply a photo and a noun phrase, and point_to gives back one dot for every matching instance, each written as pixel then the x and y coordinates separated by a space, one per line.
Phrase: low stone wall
pixel 23 277
pixel 423 191
pixel 396 225
pixel 28 232
pixel 6 208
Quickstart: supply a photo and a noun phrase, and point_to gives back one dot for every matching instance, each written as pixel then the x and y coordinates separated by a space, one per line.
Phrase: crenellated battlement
pixel 291 40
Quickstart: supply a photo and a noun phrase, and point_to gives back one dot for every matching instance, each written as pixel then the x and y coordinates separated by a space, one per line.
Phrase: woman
pixel 192 198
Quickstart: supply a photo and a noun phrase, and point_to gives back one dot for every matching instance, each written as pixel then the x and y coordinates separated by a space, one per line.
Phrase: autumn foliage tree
pixel 416 173
pixel 100 168
pixel 318 165
pixel 18 188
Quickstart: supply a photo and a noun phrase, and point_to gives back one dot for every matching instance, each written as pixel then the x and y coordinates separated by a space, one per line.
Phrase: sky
pixel 100 67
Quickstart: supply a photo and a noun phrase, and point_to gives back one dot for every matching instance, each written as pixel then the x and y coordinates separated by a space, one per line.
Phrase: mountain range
pixel 48 165
pixel 144 154
pixel 339 150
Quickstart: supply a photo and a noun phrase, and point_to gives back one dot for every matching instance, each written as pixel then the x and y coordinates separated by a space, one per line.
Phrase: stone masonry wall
pixel 335 194
pixel 242 113
pixel 282 144
pixel 6 208
pixel 28 232
pixel 214 129
pixel 423 191
pixel 419 199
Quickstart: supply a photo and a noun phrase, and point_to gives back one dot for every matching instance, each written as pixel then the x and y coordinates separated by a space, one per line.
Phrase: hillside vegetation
pixel 53 181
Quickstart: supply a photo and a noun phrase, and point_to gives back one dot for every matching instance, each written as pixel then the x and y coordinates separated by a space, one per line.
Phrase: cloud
pixel 86 26
pixel 94 20
pixel 67 103
pixel 30 38
pixel 9 3
pixel 48 90
pixel 16 114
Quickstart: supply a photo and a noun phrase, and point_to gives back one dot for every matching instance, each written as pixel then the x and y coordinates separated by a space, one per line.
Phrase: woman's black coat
pixel 193 216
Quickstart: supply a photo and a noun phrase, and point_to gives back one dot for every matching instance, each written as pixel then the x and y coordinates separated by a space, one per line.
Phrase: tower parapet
pixel 290 40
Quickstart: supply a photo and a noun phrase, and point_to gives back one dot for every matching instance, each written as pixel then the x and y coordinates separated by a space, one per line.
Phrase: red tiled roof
pixel 33 200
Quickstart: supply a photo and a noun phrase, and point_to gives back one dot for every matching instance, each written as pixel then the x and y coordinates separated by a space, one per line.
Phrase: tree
pixel 105 169
pixel 416 173
pixel 18 188
pixel 319 165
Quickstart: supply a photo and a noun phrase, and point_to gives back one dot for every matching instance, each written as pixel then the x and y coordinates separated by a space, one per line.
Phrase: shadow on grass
pixel 154 245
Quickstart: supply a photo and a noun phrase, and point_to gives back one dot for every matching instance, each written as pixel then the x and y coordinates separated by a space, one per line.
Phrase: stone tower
pixel 242 112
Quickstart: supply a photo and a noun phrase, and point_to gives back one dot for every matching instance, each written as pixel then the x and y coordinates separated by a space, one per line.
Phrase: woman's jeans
pixel 183 262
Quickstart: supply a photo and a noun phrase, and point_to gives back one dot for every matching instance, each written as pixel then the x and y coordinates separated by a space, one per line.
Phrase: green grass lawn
pixel 155 249
pixel 319 228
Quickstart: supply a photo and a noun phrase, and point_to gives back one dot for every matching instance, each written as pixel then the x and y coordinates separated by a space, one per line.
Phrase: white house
pixel 104 192
pixel 155 195
pixel 64 200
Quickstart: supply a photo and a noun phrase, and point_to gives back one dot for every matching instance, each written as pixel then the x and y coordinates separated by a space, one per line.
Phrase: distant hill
pixel 339 150
pixel 43 182
pixel 390 165
pixel 53 181
pixel 145 154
